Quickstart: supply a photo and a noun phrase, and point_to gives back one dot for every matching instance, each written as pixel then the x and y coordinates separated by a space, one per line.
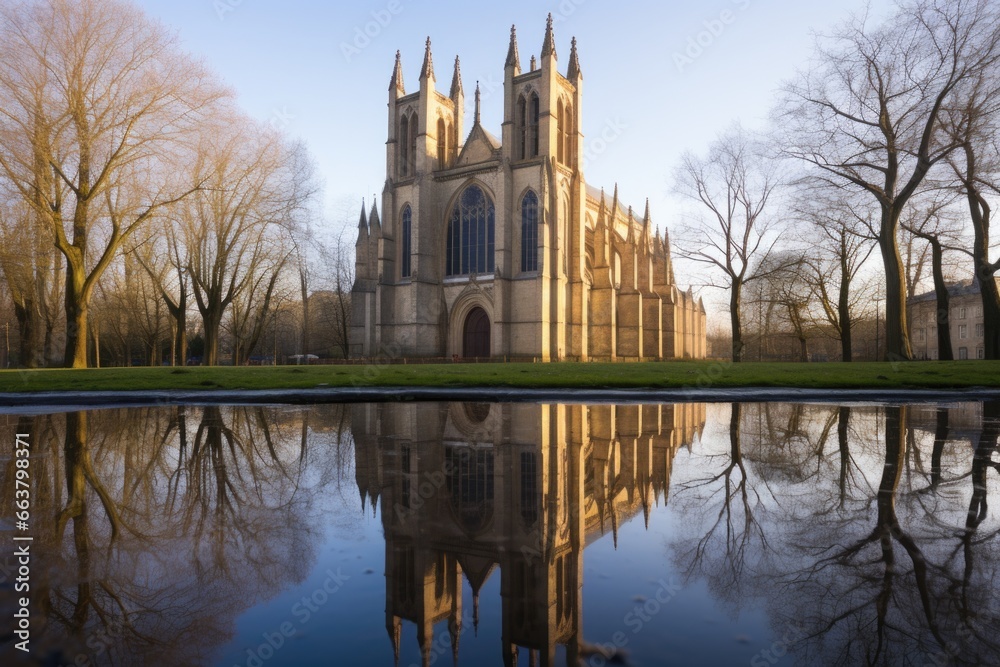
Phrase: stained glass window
pixel 470 237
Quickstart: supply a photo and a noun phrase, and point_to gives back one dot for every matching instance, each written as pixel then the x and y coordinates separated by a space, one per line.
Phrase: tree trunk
pixel 180 335
pixel 897 338
pixel 212 321
pixel 304 285
pixel 737 326
pixel 945 352
pixel 991 316
pixel 76 323
pixel 26 331
pixel 844 312
pixel 980 212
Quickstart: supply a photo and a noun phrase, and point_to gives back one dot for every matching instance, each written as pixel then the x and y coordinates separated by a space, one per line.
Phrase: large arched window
pixel 470 234
pixel 405 250
pixel 529 232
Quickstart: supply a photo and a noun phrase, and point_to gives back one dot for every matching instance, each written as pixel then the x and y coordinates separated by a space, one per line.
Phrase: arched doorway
pixel 476 335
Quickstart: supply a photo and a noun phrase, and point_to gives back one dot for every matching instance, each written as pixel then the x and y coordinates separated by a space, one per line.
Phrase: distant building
pixel 498 247
pixel 965 321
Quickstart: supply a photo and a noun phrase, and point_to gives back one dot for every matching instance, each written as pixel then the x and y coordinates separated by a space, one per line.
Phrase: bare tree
pixel 870 114
pixel 94 97
pixel 931 223
pixel 976 126
pixel 838 232
pixel 735 182
pixel 236 227
pixel 31 271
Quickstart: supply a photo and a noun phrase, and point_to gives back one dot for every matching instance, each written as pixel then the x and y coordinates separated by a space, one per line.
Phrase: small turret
pixel 374 224
pixel 549 45
pixel 363 225
pixel 574 74
pixel 513 59
pixel 396 82
pixel 647 238
pixel 427 69
pixel 456 84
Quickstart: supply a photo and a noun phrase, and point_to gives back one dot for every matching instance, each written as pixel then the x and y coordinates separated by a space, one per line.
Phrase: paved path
pixel 41 402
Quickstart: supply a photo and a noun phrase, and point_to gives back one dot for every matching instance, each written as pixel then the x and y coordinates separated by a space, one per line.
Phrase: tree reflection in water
pixel 864 557
pixel 151 539
pixel 865 533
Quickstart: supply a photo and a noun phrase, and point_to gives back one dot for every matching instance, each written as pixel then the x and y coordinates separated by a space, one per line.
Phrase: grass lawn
pixel 662 375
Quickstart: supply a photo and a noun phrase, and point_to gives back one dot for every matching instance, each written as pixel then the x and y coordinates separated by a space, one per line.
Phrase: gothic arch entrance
pixel 476 335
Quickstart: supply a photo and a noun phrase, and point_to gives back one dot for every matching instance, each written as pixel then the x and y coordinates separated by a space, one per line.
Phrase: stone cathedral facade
pixel 490 247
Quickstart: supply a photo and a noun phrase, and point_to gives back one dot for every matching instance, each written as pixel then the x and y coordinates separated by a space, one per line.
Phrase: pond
pixel 424 533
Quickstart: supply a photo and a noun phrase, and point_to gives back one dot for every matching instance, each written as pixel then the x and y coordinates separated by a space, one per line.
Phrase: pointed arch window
pixel 529 232
pixel 522 129
pixel 407 243
pixel 442 139
pixel 413 144
pixel 470 236
pixel 534 113
pixel 568 136
pixel 404 146
pixel 560 132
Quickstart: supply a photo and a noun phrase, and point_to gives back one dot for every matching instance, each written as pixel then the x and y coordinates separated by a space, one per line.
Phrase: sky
pixel 659 79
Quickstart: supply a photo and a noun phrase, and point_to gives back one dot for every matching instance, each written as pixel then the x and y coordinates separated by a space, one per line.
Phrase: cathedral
pixel 476 491
pixel 499 248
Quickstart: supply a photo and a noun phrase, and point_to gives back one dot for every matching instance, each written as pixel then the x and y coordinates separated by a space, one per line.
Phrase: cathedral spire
pixel 513 59
pixel 456 81
pixel 647 236
pixel 373 221
pixel 363 222
pixel 478 103
pixel 455 630
pixel 427 71
pixel 395 629
pixel 549 45
pixel 614 208
pixel 574 72
pixel 396 82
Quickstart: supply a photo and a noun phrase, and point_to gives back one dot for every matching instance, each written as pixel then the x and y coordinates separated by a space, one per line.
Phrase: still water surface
pixel 502 534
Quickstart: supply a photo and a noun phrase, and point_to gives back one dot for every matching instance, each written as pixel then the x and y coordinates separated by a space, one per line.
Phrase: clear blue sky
pixel 286 61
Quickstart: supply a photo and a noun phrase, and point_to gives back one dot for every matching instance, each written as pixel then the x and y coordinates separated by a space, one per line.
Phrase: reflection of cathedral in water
pixel 466 488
